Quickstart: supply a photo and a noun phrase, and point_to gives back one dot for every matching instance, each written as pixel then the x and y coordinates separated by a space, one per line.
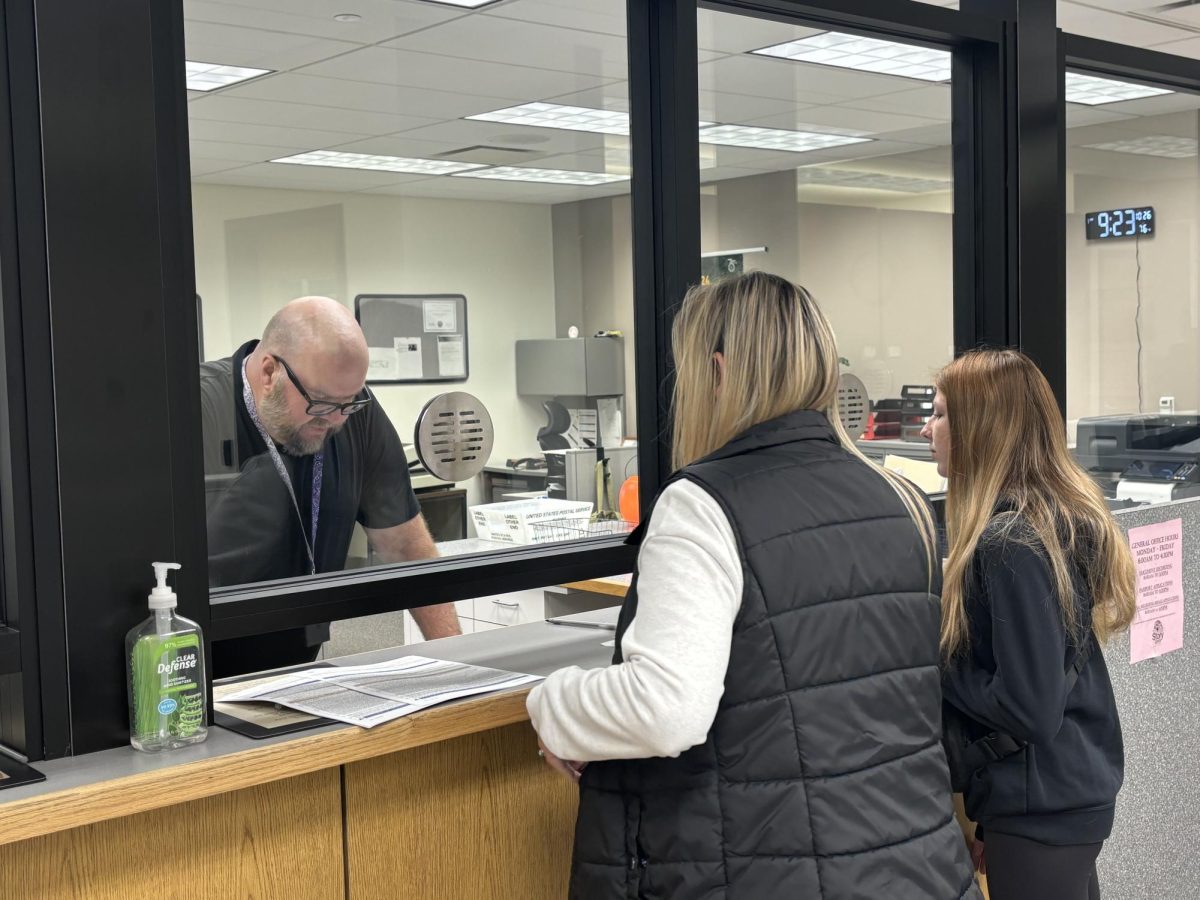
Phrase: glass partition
pixel 1133 286
pixel 825 158
pixel 458 178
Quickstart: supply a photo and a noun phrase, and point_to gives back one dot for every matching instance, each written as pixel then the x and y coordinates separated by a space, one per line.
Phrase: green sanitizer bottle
pixel 165 665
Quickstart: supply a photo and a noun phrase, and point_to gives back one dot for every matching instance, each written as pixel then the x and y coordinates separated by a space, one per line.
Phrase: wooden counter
pixel 451 802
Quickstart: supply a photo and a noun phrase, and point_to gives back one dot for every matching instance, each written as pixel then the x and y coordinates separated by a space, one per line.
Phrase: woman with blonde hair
pixel 770 726
pixel 1038 575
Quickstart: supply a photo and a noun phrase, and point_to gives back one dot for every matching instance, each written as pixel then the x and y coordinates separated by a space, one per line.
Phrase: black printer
pixel 1147 458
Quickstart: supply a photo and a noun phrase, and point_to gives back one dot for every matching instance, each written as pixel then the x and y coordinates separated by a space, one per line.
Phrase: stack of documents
pixel 369 695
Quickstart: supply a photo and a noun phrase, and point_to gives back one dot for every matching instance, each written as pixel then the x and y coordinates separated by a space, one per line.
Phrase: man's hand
pixel 565 767
pixel 408 541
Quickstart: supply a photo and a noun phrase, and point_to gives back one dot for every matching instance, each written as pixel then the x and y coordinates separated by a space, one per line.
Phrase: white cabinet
pixel 514 608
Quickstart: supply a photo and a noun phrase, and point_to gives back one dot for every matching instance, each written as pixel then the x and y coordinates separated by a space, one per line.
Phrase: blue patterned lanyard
pixel 318 470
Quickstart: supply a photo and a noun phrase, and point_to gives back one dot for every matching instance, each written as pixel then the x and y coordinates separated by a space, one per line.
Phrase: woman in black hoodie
pixel 1038 575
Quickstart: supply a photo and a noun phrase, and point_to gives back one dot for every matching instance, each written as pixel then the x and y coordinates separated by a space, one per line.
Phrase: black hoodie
pixel 1062 788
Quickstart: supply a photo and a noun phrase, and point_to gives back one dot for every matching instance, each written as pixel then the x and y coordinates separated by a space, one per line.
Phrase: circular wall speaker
pixel 454 436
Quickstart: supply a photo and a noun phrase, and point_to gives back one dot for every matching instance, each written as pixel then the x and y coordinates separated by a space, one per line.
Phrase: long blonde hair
pixel 1011 475
pixel 780 357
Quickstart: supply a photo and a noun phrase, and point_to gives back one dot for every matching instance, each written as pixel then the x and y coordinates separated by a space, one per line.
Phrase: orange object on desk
pixel 628 502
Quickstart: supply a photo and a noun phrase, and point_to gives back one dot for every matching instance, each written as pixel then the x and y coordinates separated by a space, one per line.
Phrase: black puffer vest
pixel 823 774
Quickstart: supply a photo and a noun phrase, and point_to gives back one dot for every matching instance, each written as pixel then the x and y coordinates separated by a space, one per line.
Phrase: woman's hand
pixel 565 767
pixel 977 858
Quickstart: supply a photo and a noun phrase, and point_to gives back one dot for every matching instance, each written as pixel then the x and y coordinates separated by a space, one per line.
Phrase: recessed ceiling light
pixel 849 51
pixel 1151 145
pixel 876 181
pixel 1093 90
pixel 554 115
pixel 374 163
pixel 347 17
pixel 773 138
pixel 202 76
pixel 543 176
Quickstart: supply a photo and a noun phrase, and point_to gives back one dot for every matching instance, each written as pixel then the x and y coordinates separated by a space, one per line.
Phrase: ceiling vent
pixel 488 155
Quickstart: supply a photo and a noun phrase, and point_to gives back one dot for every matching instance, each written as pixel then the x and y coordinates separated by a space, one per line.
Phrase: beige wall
pixel 883 276
pixel 499 255
pixel 1102 298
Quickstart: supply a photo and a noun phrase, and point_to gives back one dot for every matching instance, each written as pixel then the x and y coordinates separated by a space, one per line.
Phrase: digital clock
pixel 1110 224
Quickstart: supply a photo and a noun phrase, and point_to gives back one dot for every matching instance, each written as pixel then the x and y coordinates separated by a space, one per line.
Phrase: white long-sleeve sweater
pixel 663 698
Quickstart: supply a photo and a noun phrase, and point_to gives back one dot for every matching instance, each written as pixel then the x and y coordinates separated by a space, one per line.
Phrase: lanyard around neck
pixel 273 452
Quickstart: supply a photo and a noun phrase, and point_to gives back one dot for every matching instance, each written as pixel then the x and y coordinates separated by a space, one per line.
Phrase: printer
pixel 1148 458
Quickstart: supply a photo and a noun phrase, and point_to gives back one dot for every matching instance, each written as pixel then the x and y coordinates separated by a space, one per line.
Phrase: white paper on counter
pixel 452 360
pixel 408 358
pixel 369 695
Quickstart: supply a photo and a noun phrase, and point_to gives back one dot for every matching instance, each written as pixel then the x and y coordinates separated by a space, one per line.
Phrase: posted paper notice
pixel 452 361
pixel 1158 555
pixel 440 315
pixel 408 358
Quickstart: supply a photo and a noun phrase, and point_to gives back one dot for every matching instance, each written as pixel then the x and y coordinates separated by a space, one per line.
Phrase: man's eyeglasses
pixel 322 407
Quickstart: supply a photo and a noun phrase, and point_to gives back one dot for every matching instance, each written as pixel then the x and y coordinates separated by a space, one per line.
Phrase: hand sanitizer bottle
pixel 165 666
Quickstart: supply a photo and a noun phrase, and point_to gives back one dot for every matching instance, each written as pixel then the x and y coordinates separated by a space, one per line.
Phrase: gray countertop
pixel 537 649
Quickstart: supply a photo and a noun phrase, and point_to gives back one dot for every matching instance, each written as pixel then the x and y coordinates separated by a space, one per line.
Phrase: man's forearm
pixel 438 621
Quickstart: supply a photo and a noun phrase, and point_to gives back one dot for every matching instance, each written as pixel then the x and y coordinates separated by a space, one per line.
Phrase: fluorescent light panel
pixel 773 138
pixel 373 163
pixel 604 121
pixel 554 115
pixel 849 51
pixel 202 76
pixel 1092 90
pixel 874 181
pixel 1151 145
pixel 544 176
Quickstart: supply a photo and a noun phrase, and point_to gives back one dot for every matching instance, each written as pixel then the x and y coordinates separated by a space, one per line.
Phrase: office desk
pixel 452 802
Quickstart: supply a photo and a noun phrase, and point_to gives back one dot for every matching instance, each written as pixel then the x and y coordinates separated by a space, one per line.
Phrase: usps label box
pixel 531 521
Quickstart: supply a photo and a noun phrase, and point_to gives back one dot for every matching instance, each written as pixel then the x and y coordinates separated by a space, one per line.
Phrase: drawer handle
pixel 509 604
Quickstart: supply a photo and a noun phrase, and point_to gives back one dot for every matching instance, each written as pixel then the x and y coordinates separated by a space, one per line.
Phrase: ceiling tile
pixel 272 135
pixel 227 108
pixel 932 102
pixel 381 19
pixel 240 46
pixel 732 33
pixel 523 44
pixel 1077 19
pixel 759 76
pixel 392 66
pixel 240 153
pixel 603 16
pixel 398 101
pixel 201 166
pixel 462 133
pixel 1091 115
pixel 859 121
pixel 306 178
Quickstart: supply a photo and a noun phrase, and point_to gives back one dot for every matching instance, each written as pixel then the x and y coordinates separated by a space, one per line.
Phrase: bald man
pixel 295 452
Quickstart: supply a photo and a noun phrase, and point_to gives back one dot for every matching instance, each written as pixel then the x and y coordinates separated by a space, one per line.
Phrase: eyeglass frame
pixel 326 407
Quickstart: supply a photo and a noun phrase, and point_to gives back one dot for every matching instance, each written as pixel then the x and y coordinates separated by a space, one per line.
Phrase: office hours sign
pixel 1158 557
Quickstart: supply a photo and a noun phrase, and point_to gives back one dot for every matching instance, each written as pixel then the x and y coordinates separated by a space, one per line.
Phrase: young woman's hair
pixel 779 356
pixel 1011 476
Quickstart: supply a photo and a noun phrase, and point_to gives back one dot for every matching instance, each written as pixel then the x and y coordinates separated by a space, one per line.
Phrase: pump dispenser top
pixel 162 597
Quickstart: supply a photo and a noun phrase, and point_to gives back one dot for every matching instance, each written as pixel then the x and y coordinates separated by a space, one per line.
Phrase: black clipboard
pixel 14 773
pixel 256 731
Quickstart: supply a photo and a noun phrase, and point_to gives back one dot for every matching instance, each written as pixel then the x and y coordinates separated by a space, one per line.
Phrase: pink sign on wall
pixel 1158 554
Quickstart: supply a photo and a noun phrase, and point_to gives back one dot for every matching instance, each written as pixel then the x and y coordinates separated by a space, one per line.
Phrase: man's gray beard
pixel 274 415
